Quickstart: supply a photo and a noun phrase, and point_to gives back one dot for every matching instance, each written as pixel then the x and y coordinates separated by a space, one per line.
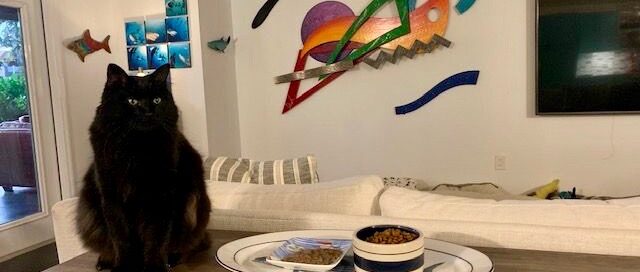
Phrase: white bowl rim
pixel 389 249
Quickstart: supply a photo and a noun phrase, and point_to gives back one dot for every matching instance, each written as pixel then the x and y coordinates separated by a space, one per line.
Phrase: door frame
pixel 59 97
pixel 36 229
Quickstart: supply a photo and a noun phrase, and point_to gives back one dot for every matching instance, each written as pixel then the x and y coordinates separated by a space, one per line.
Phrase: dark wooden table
pixel 505 260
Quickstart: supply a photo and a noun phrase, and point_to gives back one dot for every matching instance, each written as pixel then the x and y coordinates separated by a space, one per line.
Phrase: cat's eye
pixel 133 102
pixel 157 100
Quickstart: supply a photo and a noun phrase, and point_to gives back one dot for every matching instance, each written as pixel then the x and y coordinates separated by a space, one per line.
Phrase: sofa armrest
pixel 68 240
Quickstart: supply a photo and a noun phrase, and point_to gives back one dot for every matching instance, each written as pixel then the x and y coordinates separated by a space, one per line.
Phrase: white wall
pixel 83 82
pixel 350 125
pixel 219 80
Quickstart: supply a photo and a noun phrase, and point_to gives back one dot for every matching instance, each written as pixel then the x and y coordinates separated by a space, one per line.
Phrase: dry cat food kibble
pixel 391 236
pixel 321 256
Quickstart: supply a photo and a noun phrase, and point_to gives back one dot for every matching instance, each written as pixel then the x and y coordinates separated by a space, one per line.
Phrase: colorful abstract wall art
pixel 464 5
pixel 334 35
pixel 464 78
pixel 332 32
pixel 263 13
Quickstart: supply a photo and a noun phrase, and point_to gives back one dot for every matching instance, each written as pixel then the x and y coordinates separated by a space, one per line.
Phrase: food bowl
pixel 300 254
pixel 389 254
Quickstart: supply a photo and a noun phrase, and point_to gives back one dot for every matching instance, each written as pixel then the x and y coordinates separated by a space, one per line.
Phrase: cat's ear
pixel 159 77
pixel 116 77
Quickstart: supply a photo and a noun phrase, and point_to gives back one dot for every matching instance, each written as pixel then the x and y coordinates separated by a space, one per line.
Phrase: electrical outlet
pixel 500 162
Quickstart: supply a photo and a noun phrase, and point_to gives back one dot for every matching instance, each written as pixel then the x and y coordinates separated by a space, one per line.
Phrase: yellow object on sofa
pixel 544 191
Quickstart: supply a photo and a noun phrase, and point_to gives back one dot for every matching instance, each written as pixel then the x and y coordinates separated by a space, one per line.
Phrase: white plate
pixel 238 255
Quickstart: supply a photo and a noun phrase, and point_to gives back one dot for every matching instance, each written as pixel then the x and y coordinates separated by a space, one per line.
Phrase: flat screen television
pixel 588 57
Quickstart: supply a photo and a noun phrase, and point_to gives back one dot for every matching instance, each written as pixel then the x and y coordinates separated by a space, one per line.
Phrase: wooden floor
pixel 23 201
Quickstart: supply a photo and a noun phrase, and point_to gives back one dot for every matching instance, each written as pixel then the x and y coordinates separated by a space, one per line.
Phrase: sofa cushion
pixel 480 187
pixel 484 190
pixel 403 203
pixel 478 234
pixel 229 170
pixel 354 196
pixel 291 171
pixel 277 172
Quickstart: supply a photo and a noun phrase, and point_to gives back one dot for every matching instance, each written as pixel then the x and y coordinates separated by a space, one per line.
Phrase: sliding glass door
pixel 28 161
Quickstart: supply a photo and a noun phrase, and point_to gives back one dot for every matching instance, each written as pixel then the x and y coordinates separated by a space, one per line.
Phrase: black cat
pixel 144 204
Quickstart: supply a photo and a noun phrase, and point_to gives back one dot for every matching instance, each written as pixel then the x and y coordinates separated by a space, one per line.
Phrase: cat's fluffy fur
pixel 144 203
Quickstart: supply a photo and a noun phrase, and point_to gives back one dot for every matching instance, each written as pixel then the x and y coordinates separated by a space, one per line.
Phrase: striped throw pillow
pixel 293 171
pixel 230 170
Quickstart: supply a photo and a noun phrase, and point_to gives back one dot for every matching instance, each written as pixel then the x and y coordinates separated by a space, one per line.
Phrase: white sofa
pixel 597 227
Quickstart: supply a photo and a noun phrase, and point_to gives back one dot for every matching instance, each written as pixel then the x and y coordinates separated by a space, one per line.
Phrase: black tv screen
pixel 588 56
